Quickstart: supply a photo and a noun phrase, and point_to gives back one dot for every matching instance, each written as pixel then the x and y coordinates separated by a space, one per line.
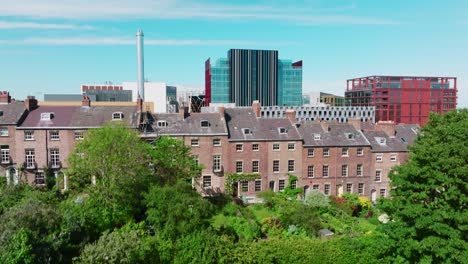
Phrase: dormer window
pixel 282 130
pixel 381 140
pixel 117 116
pixel 317 137
pixel 47 116
pixel 205 123
pixel 246 131
pixel 162 123
pixel 349 136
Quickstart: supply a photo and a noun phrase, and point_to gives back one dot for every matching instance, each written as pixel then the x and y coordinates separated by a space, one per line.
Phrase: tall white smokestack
pixel 140 65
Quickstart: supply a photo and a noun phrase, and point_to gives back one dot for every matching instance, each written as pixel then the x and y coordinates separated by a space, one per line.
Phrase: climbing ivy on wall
pixel 231 178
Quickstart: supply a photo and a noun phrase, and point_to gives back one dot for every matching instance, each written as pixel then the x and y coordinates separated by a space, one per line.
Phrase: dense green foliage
pixel 143 209
pixel 429 201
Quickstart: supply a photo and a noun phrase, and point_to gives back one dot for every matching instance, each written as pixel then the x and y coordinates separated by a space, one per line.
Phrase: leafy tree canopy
pixel 429 200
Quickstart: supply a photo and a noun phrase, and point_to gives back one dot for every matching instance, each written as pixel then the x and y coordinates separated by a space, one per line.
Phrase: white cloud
pixel 171 9
pixel 34 25
pixel 80 41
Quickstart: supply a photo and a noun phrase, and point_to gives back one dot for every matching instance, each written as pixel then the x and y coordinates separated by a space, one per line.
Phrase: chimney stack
pixel 86 102
pixel 30 103
pixel 325 125
pixel 355 122
pixel 291 115
pixel 140 65
pixel 139 105
pixel 387 126
pixel 5 97
pixel 256 108
pixel 183 111
pixel 221 111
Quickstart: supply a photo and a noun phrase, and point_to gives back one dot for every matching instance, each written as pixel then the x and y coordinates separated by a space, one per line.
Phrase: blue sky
pixel 54 46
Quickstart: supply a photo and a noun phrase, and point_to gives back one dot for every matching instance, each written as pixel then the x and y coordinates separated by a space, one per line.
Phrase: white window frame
pixel 255 166
pixel 344 152
pixel 361 188
pixel 393 157
pixel 217 163
pixel 316 187
pixel 204 123
pixel 206 181
pixel 79 135
pixel 327 171
pixel 326 152
pixel 310 171
pixel 244 186
pixel 194 142
pixel 360 152
pixel 344 170
pixel 239 147
pixel 258 185
pixel 255 147
pixel 310 152
pixel 349 187
pixel 291 146
pixel 378 176
pixel 42 178
pixel 384 192
pixel 276 147
pixel 276 162
pixel 359 170
pixel 241 170
pixel 30 160
pixel 4 132
pixel 325 191
pixel 54 135
pixel 29 135
pixel 379 157
pixel 317 137
pixel 216 142
pixel 281 184
pixel 291 166
pixel 162 123
pixel 55 158
pixel 117 116
pixel 5 154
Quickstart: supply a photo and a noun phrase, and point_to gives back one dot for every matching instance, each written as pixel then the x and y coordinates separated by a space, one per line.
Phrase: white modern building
pixel 329 113
pixel 155 92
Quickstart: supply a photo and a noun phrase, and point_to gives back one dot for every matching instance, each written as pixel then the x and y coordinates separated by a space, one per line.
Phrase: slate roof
pixel 190 125
pixel 261 129
pixel 78 116
pixel 11 113
pixel 392 144
pixel 407 133
pixel 338 134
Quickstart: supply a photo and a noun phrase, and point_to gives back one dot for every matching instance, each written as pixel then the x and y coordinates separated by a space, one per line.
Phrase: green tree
pixel 172 161
pixel 176 210
pixel 118 160
pixel 429 199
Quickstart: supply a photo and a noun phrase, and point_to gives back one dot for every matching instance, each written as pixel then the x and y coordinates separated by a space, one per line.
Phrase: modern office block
pixel 403 99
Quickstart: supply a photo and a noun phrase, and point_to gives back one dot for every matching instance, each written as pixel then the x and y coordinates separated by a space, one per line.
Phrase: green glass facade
pixel 220 81
pixel 289 83
pixel 248 75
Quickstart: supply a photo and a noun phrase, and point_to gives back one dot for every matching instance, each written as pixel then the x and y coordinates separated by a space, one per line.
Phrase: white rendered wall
pixel 155 92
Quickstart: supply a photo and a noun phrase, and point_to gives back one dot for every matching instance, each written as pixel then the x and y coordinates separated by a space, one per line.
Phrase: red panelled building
pixel 403 99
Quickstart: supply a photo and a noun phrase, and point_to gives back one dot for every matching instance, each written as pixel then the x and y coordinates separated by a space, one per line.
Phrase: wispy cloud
pixel 34 25
pixel 173 9
pixel 84 41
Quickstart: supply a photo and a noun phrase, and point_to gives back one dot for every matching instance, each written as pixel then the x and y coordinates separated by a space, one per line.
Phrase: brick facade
pixel 234 140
